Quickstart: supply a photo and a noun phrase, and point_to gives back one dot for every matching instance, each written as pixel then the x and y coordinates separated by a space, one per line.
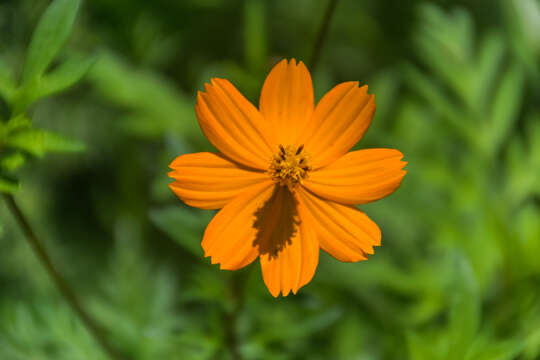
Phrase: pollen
pixel 290 166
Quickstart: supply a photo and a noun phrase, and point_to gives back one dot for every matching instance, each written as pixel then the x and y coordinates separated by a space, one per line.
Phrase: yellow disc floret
pixel 289 166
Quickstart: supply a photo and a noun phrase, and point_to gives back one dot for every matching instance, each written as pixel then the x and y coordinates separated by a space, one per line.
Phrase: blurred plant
pixel 153 106
pixel 138 301
pixel 19 140
pixel 472 92
pixel 45 331
pixel 523 22
pixel 457 276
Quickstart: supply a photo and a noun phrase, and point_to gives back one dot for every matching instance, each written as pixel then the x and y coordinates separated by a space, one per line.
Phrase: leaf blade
pixel 39 142
pixel 50 35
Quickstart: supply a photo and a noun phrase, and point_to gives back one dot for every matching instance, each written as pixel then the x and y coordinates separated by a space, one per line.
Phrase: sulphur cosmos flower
pixel 284 180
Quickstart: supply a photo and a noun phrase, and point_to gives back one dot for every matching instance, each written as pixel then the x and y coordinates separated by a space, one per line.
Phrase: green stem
pixel 60 282
pixel 321 35
pixel 237 290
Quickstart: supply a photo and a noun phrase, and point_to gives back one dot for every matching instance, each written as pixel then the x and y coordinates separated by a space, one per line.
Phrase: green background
pixel 458 92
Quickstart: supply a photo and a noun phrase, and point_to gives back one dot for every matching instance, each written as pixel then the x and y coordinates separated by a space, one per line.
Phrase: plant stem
pixel 60 282
pixel 237 286
pixel 230 321
pixel 321 35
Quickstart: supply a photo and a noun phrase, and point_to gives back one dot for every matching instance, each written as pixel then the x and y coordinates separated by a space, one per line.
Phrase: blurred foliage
pixel 18 138
pixel 458 275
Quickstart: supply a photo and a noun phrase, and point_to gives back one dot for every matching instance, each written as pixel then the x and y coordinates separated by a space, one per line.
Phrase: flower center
pixel 289 166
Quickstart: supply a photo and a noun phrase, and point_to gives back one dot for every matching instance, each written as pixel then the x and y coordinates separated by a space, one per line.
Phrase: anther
pixel 289 166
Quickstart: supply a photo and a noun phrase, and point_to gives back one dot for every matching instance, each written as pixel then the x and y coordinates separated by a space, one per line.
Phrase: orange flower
pixel 283 179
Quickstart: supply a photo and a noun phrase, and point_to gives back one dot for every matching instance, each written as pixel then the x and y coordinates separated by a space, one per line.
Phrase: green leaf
pixel 488 61
pixel 11 162
pixel 446 43
pixel 61 78
pixel 7 83
pixel 50 35
pixel 17 123
pixel 523 26
pixel 464 311
pixel 38 142
pixel 8 185
pixel 506 106
pixel 503 350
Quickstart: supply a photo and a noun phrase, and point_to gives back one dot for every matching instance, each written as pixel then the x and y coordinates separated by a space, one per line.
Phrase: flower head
pixel 284 180
pixel 289 166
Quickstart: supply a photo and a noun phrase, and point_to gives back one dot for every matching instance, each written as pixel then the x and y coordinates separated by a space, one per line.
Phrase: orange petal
pixel 287 100
pixel 343 231
pixel 359 177
pixel 230 237
pixel 288 248
pixel 209 181
pixel 340 119
pixel 233 125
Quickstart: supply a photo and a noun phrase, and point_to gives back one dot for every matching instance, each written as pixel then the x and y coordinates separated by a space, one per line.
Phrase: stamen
pixel 289 166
